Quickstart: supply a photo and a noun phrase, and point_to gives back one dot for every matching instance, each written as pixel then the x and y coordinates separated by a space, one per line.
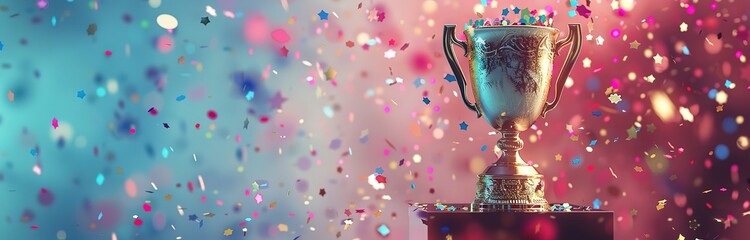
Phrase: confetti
pixel 167 21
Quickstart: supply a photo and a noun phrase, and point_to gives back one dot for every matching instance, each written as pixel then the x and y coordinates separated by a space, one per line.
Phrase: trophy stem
pixel 510 184
pixel 510 143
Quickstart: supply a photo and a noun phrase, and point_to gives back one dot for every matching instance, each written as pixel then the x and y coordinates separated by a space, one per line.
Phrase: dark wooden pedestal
pixel 426 221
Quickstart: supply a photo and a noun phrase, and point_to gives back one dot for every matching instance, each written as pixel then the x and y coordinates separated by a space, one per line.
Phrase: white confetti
pixel 167 21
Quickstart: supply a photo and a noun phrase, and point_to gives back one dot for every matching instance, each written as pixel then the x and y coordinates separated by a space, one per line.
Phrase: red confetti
pixel 212 114
pixel 146 207
pixel 380 179
pixel 138 222
pixel 197 126
pixel 108 53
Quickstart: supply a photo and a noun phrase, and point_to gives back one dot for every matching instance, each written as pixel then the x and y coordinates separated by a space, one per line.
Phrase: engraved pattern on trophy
pixel 517 53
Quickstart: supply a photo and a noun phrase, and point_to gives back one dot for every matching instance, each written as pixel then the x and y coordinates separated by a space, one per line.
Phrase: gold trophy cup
pixel 511 71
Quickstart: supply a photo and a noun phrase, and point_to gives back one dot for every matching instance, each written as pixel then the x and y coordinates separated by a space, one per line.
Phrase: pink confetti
pixel 55 123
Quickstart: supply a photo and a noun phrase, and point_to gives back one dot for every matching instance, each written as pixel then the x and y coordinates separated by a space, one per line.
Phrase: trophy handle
pixel 574 36
pixel 449 38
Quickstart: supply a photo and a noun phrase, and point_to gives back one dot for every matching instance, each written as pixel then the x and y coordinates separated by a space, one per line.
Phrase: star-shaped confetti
pixel 658 58
pixel 463 125
pixel 277 100
pixel 719 108
pixel 192 217
pixel 381 16
pixel 228 232
pixel 583 11
pixel 649 78
pixel 205 21
pixel 683 27
pixel 635 44
pixel 558 157
pixel 426 100
pixel 81 94
pixel 599 40
pixel 323 15
pixel 633 212
pixel 322 192
pixel 586 63
pixel 372 15
pixel 284 51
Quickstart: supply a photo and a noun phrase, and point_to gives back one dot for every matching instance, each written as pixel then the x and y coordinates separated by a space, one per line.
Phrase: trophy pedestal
pixel 426 221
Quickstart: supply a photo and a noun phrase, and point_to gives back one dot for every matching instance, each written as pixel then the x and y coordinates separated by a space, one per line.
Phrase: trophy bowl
pixel 511 73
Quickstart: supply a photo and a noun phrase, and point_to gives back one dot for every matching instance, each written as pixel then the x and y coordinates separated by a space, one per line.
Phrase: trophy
pixel 511 71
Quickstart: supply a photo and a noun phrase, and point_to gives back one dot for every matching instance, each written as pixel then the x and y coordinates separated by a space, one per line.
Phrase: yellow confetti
pixel 228 232
pixel 661 204
pixel 681 237
pixel 283 227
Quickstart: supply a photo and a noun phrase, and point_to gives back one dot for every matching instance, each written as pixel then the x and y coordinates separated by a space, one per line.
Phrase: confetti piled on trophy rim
pixel 515 17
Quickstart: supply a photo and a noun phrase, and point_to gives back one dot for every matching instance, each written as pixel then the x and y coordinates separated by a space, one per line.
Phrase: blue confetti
pixel 685 50
pixel 450 77
pixel 592 143
pixel 100 216
pixel 576 161
pixel 712 93
pixel 101 92
pixel 597 203
pixel 379 171
pixel 426 100
pixel 574 3
pixel 413 186
pixel 164 152
pixel 463 126
pixel 721 152
pixel 323 15
pixel 484 147
pixel 99 179
pixel 572 13
pixel 383 230
pixel 249 96
pixel 596 113
pixel 728 83
pixel 180 98
pixel 1 45
pixel 729 125
pixel 33 152
pixel 81 94
pixel 418 82
pixel 506 12
pixel 54 21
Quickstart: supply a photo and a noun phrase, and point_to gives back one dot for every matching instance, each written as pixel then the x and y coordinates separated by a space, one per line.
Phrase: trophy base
pixel 433 221
pixel 510 192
